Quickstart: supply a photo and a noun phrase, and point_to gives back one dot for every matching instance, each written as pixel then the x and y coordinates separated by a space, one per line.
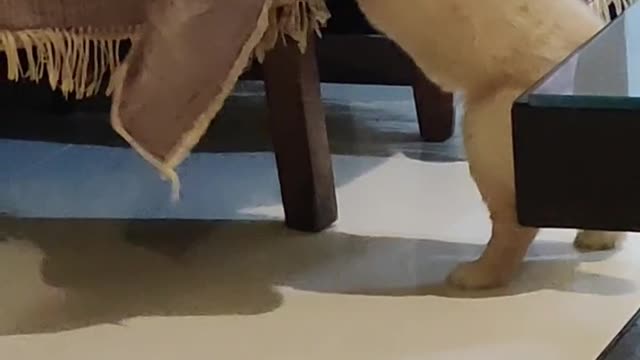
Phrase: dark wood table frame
pixel 575 167
pixel 574 159
pixel 297 120
pixel 296 114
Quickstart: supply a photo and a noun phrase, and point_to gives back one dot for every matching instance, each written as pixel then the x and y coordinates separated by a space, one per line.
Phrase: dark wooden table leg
pixel 435 109
pixel 299 136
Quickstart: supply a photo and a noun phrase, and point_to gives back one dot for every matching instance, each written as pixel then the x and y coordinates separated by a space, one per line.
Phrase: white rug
pixel 367 289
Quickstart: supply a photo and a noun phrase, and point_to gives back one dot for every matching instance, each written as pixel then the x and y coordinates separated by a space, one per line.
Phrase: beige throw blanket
pixel 186 57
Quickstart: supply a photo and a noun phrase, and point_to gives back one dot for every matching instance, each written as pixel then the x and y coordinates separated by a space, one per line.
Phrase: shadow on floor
pixel 110 271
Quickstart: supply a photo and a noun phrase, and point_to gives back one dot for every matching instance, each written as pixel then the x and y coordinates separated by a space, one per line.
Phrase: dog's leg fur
pixel 597 240
pixel 491 51
pixel 487 126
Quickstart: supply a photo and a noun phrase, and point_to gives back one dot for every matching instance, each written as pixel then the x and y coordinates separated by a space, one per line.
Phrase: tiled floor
pixel 107 286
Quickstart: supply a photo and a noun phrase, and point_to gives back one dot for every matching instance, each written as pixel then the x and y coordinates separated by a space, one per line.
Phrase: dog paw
pixel 596 240
pixel 477 275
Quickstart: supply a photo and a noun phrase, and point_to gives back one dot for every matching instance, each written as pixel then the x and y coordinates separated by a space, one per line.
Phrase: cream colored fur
pixel 490 51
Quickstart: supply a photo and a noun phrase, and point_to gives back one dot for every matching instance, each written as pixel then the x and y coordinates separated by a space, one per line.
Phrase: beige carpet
pixel 368 289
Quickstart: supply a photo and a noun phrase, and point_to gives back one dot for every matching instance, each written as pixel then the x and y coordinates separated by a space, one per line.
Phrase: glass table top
pixel 604 73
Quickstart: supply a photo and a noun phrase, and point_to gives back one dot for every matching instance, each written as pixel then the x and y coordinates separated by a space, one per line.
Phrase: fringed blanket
pixel 185 59
pixel 607 8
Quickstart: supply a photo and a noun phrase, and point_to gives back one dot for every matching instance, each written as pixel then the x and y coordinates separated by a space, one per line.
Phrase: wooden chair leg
pixel 299 136
pixel 436 116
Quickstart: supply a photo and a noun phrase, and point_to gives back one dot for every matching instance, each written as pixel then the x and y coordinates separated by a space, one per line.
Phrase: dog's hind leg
pixel 487 135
